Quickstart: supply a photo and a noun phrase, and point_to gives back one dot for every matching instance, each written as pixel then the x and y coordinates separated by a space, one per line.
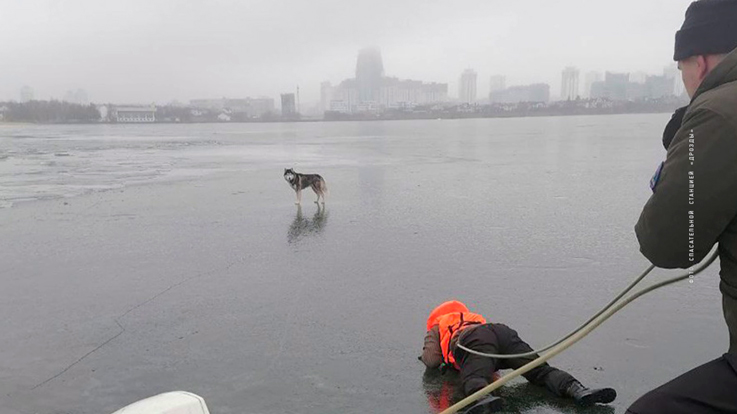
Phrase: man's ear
pixel 703 66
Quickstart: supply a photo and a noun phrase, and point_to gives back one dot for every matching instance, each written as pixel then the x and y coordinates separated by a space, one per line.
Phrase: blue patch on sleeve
pixel 656 176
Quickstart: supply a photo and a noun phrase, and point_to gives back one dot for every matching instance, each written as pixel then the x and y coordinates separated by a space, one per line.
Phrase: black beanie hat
pixel 710 28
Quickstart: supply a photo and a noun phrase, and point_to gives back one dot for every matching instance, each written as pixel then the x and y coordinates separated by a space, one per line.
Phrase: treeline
pixel 48 112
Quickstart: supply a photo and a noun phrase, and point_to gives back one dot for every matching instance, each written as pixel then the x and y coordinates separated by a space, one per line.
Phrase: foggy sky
pixel 160 50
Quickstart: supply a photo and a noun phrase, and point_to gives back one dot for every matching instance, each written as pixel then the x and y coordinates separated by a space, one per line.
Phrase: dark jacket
pixel 432 354
pixel 694 200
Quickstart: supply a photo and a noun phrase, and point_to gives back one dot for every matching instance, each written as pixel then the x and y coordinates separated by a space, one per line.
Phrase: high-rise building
pixel 497 83
pixel 590 78
pixel 26 94
pixel 658 86
pixel 345 97
pixel 638 77
pixel 288 105
pixel 78 97
pixel 620 87
pixel 569 84
pixel 260 106
pixel 396 93
pixel 371 91
pixel 671 71
pixel 467 86
pixel 326 95
pixel 369 72
pixel 537 92
pixel 615 86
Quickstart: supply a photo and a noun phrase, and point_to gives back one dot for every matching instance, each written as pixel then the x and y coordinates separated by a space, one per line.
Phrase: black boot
pixel 488 404
pixel 587 397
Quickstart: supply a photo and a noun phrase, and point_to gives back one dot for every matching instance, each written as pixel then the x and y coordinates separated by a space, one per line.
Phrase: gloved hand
pixel 673 125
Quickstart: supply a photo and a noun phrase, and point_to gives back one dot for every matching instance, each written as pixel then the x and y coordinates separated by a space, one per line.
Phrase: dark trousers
pixel 496 338
pixel 709 388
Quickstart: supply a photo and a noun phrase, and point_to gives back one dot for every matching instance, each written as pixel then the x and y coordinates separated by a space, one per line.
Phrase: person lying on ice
pixel 451 322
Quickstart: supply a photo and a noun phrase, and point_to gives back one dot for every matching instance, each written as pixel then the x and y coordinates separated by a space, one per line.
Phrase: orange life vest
pixel 450 325
pixel 451 317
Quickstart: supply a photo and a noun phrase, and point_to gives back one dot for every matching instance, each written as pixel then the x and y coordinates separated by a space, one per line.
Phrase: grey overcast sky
pixel 141 51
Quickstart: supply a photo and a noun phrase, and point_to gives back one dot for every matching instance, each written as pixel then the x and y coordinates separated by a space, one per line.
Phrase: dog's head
pixel 289 175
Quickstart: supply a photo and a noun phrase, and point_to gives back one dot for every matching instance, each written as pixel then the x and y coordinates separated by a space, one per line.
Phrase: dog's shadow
pixel 302 227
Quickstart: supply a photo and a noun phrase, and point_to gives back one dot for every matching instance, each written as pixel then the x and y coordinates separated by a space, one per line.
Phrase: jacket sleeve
pixel 696 195
pixel 432 356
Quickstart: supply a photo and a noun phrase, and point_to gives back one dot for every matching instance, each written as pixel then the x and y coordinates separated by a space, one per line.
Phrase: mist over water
pixel 142 51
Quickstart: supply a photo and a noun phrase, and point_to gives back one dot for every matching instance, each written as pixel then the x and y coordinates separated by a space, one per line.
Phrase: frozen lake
pixel 138 259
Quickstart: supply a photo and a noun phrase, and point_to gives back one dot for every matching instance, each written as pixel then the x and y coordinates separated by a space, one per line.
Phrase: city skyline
pixel 570 75
pixel 164 51
pixel 372 90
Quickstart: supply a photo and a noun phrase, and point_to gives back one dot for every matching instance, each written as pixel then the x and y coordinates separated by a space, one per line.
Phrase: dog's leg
pixel 299 197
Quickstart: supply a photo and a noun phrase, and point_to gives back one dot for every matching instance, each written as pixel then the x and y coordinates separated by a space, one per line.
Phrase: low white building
pixel 134 114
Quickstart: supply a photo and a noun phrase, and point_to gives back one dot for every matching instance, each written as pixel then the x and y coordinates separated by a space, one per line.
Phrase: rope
pixel 573 337
pixel 541 350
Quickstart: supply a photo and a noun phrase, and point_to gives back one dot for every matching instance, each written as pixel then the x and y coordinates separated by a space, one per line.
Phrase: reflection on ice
pixel 302 227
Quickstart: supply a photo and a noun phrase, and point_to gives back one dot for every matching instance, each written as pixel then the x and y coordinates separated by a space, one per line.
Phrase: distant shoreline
pixel 352 118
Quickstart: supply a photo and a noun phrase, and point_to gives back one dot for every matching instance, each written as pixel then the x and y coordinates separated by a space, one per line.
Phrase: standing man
pixel 694 200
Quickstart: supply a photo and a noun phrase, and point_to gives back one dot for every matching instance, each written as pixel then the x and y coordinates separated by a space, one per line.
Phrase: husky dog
pixel 301 181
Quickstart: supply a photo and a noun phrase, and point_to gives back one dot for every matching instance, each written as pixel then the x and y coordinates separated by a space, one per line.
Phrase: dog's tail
pixel 324 186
